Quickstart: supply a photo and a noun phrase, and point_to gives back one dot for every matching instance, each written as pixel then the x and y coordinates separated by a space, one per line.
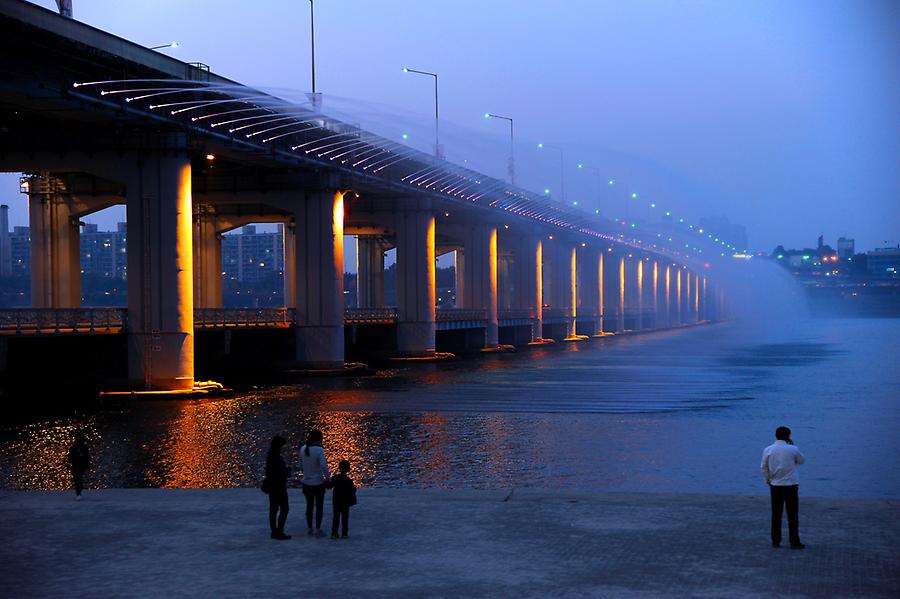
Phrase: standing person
pixel 779 468
pixel 80 461
pixel 275 484
pixel 343 496
pixel 314 469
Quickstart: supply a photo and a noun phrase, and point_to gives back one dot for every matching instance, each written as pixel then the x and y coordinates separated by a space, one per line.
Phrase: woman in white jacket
pixel 314 469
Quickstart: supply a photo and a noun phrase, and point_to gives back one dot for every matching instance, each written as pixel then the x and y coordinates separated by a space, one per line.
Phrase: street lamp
pixel 314 98
pixel 512 154
pixel 437 144
pixel 562 170
pixel 172 45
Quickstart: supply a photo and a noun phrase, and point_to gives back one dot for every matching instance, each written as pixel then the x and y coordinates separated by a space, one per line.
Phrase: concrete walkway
pixel 423 543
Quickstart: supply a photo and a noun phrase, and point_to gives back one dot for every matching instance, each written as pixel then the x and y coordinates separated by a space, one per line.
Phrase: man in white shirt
pixel 779 468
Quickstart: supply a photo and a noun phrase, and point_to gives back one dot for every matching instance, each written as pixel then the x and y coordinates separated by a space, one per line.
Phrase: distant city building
pixel 726 230
pixel 884 262
pixel 20 251
pixel 846 248
pixel 5 256
pixel 249 256
pixel 104 253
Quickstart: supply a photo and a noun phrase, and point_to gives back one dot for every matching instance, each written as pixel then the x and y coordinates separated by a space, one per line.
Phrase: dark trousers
pixel 78 479
pixel 278 505
pixel 785 497
pixel 341 515
pixel 314 493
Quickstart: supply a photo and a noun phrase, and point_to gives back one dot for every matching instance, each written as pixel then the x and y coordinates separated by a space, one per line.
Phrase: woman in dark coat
pixel 276 486
pixel 80 460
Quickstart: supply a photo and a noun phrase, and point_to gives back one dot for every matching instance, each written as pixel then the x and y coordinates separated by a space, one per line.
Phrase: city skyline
pixel 796 85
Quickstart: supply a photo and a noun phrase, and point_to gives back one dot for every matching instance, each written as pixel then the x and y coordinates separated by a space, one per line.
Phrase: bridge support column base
pixel 320 346
pixel 161 361
pixel 415 339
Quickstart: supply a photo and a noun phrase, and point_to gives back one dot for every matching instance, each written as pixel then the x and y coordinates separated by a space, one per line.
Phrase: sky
pixel 782 116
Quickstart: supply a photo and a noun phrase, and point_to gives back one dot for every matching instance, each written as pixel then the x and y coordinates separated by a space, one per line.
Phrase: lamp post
pixel 314 98
pixel 172 45
pixel 562 170
pixel 437 142
pixel 512 151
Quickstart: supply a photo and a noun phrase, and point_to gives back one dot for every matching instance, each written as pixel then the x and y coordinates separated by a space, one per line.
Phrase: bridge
pixel 101 121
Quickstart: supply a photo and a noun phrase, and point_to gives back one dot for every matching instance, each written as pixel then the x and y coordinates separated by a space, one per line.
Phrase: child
pixel 343 497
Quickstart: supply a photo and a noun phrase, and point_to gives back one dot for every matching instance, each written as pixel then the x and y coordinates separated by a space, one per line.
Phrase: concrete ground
pixel 430 543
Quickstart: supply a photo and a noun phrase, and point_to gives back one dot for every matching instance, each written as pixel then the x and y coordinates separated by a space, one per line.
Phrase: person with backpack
pixel 343 496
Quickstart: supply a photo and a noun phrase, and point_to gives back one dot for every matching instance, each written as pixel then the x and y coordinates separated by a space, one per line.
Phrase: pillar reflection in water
pixel 639 321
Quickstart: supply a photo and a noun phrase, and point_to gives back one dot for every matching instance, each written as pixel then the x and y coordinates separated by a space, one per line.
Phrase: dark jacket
pixel 277 472
pixel 79 456
pixel 344 494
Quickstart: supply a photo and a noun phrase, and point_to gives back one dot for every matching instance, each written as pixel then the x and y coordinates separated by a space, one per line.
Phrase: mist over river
pixel 678 411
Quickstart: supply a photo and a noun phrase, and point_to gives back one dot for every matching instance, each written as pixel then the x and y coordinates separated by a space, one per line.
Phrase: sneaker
pixel 281 537
pixel 319 534
pixel 344 536
pixel 309 532
pixel 334 535
pixel 78 498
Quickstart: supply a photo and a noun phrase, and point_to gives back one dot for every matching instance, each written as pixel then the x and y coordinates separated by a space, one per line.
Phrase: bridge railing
pixel 205 318
pixel 457 314
pixel 370 315
pixel 516 314
pixel 61 320
pixel 554 313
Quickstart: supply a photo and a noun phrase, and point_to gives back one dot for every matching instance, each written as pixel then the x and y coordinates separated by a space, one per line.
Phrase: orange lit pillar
pixel 55 247
pixel 319 239
pixel 620 312
pixel 480 285
pixel 529 281
pixel 160 273
pixel 678 290
pixel 590 293
pixel 415 284
pixel 639 319
pixel 667 303
pixel 657 323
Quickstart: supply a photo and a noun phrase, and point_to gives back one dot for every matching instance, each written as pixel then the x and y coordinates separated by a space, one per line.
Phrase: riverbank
pixel 414 543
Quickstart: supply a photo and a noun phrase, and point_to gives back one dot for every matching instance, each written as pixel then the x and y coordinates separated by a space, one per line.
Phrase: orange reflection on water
pixel 346 437
pixel 195 452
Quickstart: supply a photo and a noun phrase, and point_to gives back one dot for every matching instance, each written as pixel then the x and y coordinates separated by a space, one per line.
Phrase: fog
pixel 783 117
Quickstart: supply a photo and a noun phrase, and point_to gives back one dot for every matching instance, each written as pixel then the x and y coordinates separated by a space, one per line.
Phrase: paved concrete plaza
pixel 430 543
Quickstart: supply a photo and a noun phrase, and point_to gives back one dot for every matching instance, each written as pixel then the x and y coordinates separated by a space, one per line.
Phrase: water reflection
pixel 627 413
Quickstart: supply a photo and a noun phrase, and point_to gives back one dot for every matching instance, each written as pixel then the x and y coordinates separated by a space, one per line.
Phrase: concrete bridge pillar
pixel 689 295
pixel 160 267
pixel 480 276
pixel 529 281
pixel 654 293
pixel 590 272
pixel 369 272
pixel 703 308
pixel 563 287
pixel 415 284
pixel 55 247
pixel 319 284
pixel 639 293
pixel 504 296
pixel 696 304
pixel 667 297
pixel 207 260
pixel 676 307
pixel 290 264
pixel 620 295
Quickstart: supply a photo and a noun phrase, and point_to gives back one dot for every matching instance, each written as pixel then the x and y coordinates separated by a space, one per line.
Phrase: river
pixel 678 411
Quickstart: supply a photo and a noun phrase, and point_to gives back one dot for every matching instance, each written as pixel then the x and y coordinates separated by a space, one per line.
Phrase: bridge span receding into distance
pixel 99 121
